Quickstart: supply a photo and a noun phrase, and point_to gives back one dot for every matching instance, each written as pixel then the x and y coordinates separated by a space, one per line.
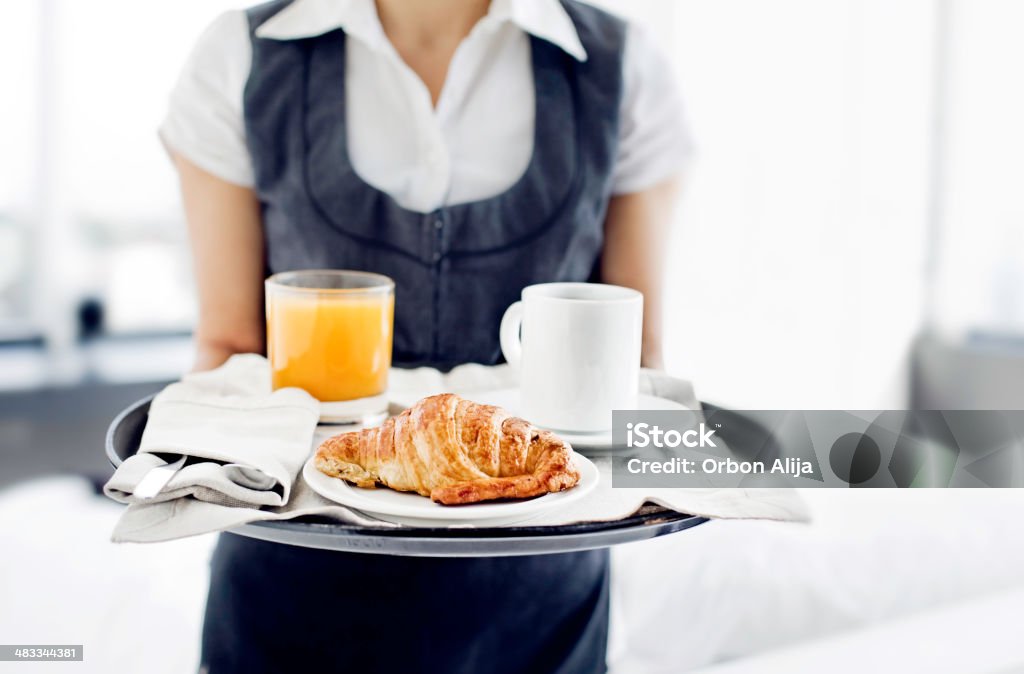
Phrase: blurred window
pixel 19 52
pixel 88 200
pixel 860 173
pixel 797 278
pixel 979 250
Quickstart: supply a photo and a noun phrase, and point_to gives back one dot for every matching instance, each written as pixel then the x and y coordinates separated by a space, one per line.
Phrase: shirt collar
pixel 545 19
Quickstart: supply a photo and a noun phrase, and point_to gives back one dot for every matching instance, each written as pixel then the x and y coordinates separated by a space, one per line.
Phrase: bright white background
pixel 797 269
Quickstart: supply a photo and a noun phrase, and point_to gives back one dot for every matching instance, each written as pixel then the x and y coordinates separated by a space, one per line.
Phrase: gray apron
pixel 456 269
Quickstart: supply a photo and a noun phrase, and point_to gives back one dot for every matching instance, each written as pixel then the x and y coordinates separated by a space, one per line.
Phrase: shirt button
pixel 438 222
pixel 437 256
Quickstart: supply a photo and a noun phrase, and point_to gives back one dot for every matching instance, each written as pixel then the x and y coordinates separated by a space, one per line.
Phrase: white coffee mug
pixel 577 346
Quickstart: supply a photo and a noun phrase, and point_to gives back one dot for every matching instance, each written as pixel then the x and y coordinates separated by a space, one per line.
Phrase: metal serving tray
pixel 125 433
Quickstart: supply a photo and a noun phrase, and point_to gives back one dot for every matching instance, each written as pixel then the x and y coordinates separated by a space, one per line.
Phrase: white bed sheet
pixel 974 636
pixel 729 589
pixel 135 608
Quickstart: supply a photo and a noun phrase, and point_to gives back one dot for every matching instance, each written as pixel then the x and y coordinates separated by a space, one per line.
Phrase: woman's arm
pixel 227 252
pixel 636 232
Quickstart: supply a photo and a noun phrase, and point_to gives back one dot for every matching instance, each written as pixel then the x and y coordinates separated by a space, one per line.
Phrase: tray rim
pixel 440 541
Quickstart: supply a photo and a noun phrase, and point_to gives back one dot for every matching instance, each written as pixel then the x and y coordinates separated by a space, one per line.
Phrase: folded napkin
pixel 190 514
pixel 245 443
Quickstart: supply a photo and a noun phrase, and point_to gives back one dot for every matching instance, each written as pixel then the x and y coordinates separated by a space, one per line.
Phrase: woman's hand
pixel 226 231
pixel 636 238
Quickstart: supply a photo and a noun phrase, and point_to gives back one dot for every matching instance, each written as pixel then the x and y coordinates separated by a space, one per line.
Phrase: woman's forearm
pixel 636 232
pixel 226 233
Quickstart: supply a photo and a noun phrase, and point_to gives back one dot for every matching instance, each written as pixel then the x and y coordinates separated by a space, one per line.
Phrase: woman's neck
pixel 426 33
pixel 425 23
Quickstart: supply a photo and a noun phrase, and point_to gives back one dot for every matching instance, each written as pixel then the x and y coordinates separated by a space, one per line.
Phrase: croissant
pixel 454 451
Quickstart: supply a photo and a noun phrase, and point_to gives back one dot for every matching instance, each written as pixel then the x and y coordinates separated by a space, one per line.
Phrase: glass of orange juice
pixel 330 332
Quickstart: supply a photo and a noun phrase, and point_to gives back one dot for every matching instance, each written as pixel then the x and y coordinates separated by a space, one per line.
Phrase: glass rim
pixel 279 282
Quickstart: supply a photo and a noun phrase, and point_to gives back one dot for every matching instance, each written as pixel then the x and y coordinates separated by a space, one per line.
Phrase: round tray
pixel 651 521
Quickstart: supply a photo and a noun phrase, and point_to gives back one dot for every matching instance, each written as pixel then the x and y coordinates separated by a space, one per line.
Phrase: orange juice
pixel 335 347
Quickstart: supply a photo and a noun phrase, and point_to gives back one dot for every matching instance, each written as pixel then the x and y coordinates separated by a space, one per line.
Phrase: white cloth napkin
pixel 189 515
pixel 246 443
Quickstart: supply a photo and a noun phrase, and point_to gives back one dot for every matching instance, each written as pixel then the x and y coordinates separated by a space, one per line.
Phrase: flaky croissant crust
pixel 454 451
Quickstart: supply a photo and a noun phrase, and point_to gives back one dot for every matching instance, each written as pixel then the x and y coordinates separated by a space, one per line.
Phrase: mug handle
pixel 508 334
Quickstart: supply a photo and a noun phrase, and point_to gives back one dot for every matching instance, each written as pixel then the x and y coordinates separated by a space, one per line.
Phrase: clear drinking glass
pixel 330 332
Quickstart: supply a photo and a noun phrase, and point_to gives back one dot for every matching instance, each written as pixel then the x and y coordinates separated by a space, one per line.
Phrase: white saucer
pixel 369 411
pixel 416 510
pixel 600 440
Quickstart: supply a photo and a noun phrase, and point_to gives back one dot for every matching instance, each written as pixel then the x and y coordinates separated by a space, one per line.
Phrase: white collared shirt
pixel 474 144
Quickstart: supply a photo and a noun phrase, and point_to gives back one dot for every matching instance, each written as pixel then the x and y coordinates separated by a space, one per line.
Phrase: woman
pixel 467 149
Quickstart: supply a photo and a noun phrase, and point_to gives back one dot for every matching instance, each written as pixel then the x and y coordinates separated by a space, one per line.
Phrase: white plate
pixel 602 440
pixel 409 508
